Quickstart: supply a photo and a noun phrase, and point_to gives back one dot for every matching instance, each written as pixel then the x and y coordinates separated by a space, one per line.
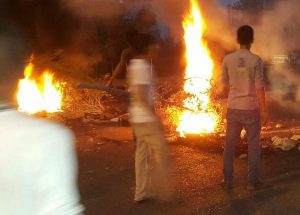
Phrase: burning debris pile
pixel 186 105
pixel 197 115
pixel 92 105
pixel 53 93
pixel 186 108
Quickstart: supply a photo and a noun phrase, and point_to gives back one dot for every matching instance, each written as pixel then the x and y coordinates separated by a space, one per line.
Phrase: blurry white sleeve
pixel 57 183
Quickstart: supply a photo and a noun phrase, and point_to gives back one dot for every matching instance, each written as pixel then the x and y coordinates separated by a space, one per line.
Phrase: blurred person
pixel 126 55
pixel 38 167
pixel 242 78
pixel 151 153
pixel 143 23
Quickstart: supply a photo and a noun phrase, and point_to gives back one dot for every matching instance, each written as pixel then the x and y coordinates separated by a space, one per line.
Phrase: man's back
pixel 243 71
pixel 38 168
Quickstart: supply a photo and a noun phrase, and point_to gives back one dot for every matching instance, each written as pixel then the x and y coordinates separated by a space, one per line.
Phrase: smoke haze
pixel 92 33
pixel 277 34
pixel 169 12
pixel 278 31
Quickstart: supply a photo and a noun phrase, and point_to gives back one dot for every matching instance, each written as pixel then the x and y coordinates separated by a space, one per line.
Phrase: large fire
pixel 43 95
pixel 198 117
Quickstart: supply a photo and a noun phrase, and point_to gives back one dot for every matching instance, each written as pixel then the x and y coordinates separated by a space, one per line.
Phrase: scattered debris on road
pixel 284 143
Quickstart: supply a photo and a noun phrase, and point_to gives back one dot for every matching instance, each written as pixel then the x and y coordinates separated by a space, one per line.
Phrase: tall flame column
pixel 199 117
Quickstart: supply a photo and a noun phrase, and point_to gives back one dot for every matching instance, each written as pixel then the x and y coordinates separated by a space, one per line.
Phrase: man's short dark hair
pixel 245 35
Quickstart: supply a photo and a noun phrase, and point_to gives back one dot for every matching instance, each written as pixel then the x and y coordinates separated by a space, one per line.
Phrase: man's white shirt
pixel 38 167
pixel 243 72
pixel 140 73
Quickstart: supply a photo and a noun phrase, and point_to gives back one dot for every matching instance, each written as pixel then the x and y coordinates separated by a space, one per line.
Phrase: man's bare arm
pixel 222 91
pixel 261 99
pixel 120 67
pixel 262 105
pixel 225 90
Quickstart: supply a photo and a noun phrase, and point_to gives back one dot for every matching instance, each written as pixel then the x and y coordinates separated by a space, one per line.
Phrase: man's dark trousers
pixel 236 121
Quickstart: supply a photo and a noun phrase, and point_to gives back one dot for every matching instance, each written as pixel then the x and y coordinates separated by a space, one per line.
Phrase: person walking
pixel 151 153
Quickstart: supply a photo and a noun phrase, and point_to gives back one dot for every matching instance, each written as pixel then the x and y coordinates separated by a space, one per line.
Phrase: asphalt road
pixel 106 178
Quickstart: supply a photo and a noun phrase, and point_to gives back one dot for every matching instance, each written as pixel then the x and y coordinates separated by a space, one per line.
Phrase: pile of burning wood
pixel 186 108
pixel 186 105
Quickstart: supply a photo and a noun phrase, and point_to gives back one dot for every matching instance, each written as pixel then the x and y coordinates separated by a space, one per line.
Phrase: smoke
pixel 277 36
pixel 162 18
pixel 94 9
pixel 172 13
pixel 278 31
pixel 95 32
pixel 168 13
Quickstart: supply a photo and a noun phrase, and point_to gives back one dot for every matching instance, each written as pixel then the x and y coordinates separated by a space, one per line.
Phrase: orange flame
pixel 199 117
pixel 45 95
